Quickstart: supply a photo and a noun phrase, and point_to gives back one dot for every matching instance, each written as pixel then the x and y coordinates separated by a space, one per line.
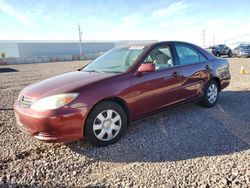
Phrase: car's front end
pixel 244 52
pixel 52 119
pixel 55 109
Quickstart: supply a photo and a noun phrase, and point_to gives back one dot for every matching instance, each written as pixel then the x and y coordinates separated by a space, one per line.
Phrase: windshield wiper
pixel 92 71
pixel 113 71
pixel 101 71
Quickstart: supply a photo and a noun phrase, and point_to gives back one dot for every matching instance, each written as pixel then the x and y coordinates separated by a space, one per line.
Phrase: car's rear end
pixel 221 71
pixel 235 52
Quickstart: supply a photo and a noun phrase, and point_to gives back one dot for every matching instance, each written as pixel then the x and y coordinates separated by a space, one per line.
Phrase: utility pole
pixel 204 37
pixel 80 39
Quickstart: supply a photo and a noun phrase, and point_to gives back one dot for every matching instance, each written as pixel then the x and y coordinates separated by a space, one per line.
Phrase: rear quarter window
pixel 202 57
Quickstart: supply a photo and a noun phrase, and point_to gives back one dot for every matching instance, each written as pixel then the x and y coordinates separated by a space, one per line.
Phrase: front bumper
pixel 59 125
pixel 243 54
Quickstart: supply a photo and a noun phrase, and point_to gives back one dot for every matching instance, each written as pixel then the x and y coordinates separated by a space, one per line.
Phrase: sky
pixel 184 20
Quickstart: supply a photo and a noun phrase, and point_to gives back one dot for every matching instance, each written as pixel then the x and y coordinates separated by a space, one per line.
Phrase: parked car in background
pixel 98 101
pixel 242 51
pixel 235 51
pixel 219 50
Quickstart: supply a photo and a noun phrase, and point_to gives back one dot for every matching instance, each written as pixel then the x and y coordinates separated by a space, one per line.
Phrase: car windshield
pixel 117 60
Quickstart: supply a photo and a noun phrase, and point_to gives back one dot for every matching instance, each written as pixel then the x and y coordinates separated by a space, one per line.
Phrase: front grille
pixel 26 102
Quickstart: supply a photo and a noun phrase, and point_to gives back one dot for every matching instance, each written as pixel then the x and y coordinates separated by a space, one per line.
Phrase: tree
pixel 2 54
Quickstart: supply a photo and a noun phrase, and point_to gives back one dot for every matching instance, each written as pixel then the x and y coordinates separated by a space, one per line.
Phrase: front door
pixel 154 90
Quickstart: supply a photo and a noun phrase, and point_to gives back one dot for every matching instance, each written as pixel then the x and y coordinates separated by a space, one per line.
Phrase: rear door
pixel 154 90
pixel 195 71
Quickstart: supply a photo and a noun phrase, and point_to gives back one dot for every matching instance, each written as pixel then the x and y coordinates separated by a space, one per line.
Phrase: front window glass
pixel 161 57
pixel 115 60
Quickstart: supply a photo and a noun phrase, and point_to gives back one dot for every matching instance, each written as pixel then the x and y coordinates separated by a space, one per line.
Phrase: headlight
pixel 53 102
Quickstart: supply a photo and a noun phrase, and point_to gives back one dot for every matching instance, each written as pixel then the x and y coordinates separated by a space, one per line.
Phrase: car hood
pixel 64 83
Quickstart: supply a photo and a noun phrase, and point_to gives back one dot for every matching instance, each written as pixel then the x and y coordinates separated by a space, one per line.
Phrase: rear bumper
pixel 224 84
pixel 52 126
pixel 225 81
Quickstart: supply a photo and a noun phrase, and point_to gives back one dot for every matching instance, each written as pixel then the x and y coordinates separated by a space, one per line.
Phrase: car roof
pixel 150 43
pixel 157 43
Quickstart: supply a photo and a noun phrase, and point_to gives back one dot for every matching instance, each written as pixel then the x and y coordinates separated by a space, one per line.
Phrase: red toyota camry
pixel 98 101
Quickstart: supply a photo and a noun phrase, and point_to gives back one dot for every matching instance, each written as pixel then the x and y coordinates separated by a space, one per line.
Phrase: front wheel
pixel 105 124
pixel 230 54
pixel 211 94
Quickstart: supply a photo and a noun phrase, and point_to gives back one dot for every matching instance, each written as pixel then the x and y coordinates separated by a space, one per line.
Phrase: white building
pixel 52 48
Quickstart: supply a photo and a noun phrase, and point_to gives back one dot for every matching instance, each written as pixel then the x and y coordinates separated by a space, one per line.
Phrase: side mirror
pixel 146 67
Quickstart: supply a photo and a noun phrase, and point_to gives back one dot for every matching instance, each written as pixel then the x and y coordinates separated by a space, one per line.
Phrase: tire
pixel 105 124
pixel 211 94
pixel 230 54
pixel 217 54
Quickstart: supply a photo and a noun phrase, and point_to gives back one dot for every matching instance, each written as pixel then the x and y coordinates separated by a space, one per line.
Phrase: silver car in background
pixel 242 51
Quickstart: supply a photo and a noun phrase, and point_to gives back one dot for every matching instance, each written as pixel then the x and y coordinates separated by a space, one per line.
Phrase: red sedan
pixel 98 101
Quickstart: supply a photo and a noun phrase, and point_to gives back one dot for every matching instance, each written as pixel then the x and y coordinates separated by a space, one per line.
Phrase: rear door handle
pixel 175 74
pixel 207 67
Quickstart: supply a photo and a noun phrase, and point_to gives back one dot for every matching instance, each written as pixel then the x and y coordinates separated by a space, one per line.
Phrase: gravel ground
pixel 189 146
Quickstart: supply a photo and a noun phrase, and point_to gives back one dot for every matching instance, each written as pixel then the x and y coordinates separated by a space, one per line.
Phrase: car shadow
pixel 6 109
pixel 182 133
pixel 4 70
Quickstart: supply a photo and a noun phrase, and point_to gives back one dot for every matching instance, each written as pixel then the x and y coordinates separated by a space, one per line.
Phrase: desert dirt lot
pixel 189 146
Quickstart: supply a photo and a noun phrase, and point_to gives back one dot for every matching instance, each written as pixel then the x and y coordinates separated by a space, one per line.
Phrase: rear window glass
pixel 188 55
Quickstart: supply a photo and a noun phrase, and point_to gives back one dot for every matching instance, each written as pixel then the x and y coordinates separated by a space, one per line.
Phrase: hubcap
pixel 212 93
pixel 107 125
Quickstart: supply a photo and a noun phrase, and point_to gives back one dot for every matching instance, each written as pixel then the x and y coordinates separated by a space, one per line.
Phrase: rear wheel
pixel 217 54
pixel 211 94
pixel 230 54
pixel 105 124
